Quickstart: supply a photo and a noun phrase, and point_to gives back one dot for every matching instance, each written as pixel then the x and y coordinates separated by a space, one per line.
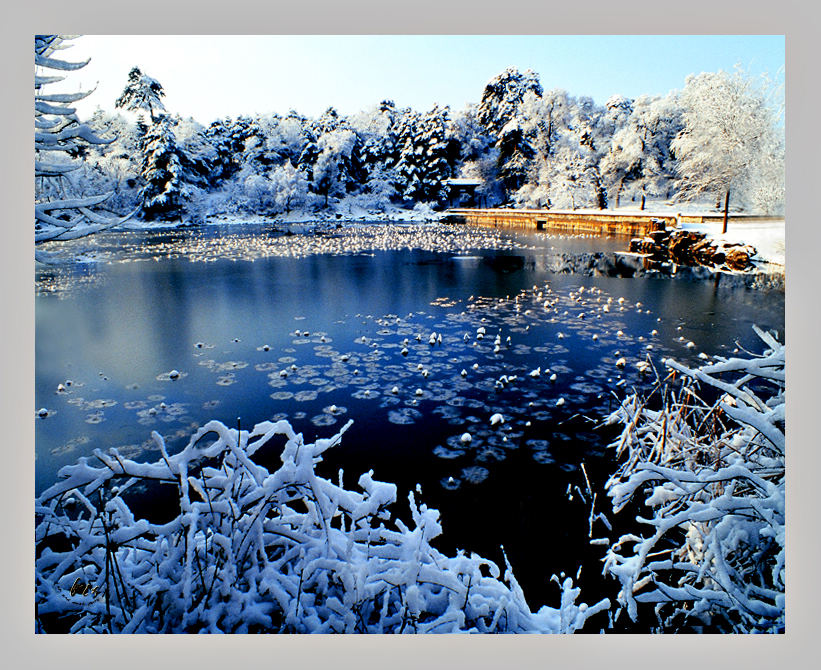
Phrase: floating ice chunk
pixel 560 402
pixel 465 438
pixel 174 374
pixel 535 373
pixel 265 347
pixel 404 351
pixel 703 356
pixel 690 345
pixel 420 392
pixel 42 412
pixel 283 373
pixel 496 418
pixel 620 333
pixel 553 377
pixel 642 366
pixel 395 390
pixel 432 339
pixel 595 337
pixel 464 373
pixel 654 332
pixel 450 483
pixel 475 474
pixel 621 362
pixel 475 366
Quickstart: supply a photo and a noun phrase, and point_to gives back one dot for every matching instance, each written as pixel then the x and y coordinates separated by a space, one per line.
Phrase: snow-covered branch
pixel 713 473
pixel 253 550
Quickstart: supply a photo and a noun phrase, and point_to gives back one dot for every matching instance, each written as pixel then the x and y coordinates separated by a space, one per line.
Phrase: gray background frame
pixel 794 18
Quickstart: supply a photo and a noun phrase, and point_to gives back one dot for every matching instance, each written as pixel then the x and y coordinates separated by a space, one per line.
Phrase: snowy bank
pixel 766 236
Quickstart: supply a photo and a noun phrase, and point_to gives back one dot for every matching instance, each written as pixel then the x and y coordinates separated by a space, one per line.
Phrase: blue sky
pixel 208 77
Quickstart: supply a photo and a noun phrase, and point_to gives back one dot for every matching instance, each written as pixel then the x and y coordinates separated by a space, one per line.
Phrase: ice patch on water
pixel 444 452
pixel 475 474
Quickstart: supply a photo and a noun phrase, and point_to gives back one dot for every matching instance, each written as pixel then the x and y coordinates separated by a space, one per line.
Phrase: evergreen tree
pixel 141 93
pixel 162 193
pixel 58 138
pixel 500 113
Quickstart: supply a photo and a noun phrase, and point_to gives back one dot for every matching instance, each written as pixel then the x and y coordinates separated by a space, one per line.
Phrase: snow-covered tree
pixel 334 168
pixel 565 140
pixel 729 132
pixel 142 93
pixel 59 138
pixel 197 155
pixel 289 187
pixel 639 159
pixel 425 155
pixel 500 113
pixel 162 172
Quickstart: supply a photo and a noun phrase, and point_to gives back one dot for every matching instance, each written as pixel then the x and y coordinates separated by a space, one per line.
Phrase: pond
pixel 420 336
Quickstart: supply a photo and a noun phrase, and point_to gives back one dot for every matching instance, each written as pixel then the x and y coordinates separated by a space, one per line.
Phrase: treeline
pixel 528 147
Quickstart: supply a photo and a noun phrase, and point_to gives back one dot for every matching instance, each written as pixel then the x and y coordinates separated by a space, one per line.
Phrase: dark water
pixel 232 327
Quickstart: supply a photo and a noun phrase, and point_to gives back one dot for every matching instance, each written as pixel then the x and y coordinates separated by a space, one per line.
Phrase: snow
pixel 767 236
pixel 260 550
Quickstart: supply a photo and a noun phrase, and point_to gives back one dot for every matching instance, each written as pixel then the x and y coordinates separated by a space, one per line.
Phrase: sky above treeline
pixel 210 77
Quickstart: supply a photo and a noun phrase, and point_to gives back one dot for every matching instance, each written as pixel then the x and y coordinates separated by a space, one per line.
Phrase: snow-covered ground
pixel 766 236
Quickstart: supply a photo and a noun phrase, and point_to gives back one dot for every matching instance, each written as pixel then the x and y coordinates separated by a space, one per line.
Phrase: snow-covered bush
pixel 254 550
pixel 713 474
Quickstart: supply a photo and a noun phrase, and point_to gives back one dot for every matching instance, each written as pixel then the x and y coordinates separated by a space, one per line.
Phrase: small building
pixel 462 192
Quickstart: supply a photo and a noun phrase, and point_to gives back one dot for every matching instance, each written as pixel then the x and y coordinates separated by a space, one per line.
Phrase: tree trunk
pixel 726 207
pixel 643 197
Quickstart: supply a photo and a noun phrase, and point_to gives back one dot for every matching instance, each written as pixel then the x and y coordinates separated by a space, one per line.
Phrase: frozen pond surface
pixel 420 346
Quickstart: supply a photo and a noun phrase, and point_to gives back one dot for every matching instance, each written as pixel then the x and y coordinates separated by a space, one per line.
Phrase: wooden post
pixel 726 206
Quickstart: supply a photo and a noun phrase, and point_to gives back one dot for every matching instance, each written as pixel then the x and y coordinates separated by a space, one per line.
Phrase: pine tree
pixel 500 113
pixel 162 172
pixel 58 138
pixel 141 93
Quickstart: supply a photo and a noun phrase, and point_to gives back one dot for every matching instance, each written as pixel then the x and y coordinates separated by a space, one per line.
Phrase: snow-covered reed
pixel 257 551
pixel 713 474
